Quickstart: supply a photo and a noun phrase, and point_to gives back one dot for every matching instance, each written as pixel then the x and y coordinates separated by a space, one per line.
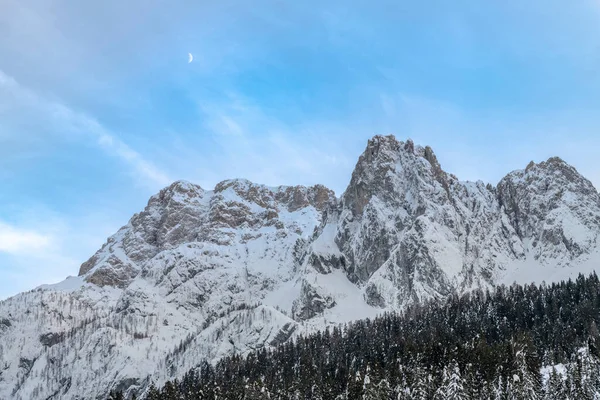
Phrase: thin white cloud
pixel 20 99
pixel 17 241
pixel 32 254
pixel 112 144
pixel 39 246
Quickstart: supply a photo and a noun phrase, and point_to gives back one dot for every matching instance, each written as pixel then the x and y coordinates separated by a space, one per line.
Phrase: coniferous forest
pixel 517 342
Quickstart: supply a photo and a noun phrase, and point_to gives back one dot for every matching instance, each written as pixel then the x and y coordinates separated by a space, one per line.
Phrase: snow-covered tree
pixel 422 384
pixel 526 382
pixel 555 386
pixel 453 385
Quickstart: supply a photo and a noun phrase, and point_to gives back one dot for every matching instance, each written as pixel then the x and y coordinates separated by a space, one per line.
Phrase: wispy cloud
pixel 38 243
pixel 18 101
pixel 18 241
pixel 39 246
pixel 251 143
pixel 34 252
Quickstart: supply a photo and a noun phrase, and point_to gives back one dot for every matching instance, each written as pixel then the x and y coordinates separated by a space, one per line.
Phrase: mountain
pixel 202 274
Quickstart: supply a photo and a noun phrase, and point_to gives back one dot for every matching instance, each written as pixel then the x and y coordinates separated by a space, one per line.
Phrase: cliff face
pixel 200 274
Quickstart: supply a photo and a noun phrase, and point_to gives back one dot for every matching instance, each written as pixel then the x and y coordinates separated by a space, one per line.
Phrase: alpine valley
pixel 202 274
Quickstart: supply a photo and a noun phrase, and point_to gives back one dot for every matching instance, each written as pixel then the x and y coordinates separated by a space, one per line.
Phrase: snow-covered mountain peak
pixel 554 210
pixel 199 274
pixel 407 230
pixel 184 212
pixel 395 172
pixel 291 198
pixel 558 173
pixel 180 191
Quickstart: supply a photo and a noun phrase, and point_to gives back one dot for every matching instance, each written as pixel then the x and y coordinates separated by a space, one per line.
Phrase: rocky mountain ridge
pixel 199 274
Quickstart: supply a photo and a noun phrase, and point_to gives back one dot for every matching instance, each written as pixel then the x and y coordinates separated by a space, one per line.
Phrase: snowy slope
pixel 201 274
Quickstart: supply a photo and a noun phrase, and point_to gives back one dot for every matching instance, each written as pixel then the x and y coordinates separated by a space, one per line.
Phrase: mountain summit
pixel 199 274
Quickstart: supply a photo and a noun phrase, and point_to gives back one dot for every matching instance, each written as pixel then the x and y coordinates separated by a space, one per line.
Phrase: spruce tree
pixel 421 386
pixel 527 380
pixel 555 387
pixel 115 395
pixel 454 385
pixel 153 393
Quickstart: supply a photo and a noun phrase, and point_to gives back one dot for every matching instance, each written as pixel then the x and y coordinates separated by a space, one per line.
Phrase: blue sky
pixel 99 108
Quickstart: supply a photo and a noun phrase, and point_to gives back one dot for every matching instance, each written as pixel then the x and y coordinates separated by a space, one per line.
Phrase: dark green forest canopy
pixel 480 345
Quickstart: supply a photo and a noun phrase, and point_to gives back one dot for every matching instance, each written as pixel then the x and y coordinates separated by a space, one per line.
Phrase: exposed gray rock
pixel 373 297
pixel 113 272
pixel 51 338
pixel 284 334
pixel 26 364
pixel 311 303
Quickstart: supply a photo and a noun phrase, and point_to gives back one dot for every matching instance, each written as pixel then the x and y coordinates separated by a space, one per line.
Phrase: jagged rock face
pixel 392 188
pixel 553 208
pixel 406 230
pixel 237 212
pixel 403 227
pixel 169 219
pixel 199 274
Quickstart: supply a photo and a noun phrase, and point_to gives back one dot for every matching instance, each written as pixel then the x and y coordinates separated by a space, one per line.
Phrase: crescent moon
pixel 190 58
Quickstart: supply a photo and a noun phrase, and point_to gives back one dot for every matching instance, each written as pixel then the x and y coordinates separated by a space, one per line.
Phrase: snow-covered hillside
pixel 200 274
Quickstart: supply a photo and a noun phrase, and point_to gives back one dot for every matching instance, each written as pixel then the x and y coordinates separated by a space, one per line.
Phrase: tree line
pixel 516 342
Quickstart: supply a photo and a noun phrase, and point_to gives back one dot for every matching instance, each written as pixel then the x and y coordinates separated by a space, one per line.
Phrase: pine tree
pixel 385 390
pixel 369 388
pixel 555 387
pixel 115 395
pixel 355 386
pixel 316 393
pixel 594 374
pixel 376 391
pixel 421 387
pixel 169 391
pixel 499 388
pixel 475 384
pixel 511 388
pixel 403 390
pixel 153 393
pixel 527 381
pixel 583 385
pixel 254 391
pixel 455 385
pixel 452 386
